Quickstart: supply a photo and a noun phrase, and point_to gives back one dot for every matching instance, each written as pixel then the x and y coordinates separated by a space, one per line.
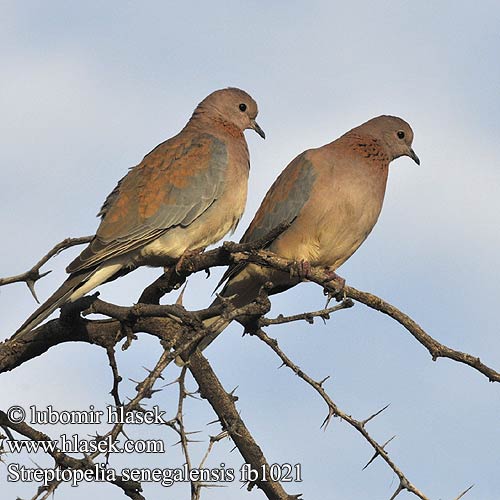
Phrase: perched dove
pixel 185 195
pixel 331 196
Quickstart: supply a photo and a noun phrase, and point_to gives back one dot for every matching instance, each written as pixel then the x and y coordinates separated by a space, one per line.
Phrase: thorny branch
pixel 335 411
pixel 178 425
pixel 131 488
pixel 231 252
pixel 191 335
pixel 307 316
pixel 223 404
pixel 31 276
pixel 179 332
pixel 320 276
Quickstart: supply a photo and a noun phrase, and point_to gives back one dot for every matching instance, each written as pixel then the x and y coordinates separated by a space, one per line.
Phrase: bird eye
pixel 401 134
pixel 243 107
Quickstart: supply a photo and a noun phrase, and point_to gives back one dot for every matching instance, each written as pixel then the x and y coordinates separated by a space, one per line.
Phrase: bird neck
pixel 371 148
pixel 202 118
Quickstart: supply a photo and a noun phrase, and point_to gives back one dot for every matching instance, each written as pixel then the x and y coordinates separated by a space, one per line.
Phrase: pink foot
pixel 186 255
pixel 300 269
pixel 335 288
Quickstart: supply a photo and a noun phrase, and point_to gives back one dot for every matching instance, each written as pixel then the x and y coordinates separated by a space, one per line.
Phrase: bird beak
pixel 414 156
pixel 257 129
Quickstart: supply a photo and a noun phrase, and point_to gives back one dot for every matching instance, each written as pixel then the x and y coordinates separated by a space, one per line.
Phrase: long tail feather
pixel 243 288
pixel 57 299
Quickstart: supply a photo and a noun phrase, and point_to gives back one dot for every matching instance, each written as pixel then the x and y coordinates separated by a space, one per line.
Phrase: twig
pixel 321 276
pixel 31 276
pixel 184 440
pixel 131 488
pixel 213 439
pixel 464 492
pixel 435 348
pixel 223 405
pixel 307 316
pixel 334 410
pixel 116 376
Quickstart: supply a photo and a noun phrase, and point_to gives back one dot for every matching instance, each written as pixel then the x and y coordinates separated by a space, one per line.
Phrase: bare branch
pixel 223 405
pixel 464 492
pixel 307 316
pixel 435 348
pixel 31 276
pixel 116 376
pixel 334 410
pixel 195 490
pixel 131 488
pixel 180 331
pixel 231 252
pixel 321 276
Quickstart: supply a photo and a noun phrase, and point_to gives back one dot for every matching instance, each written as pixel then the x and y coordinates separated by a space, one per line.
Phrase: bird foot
pixel 187 255
pixel 300 269
pixel 336 286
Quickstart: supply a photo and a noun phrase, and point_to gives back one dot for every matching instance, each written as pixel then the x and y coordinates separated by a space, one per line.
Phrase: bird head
pixel 395 133
pixel 232 106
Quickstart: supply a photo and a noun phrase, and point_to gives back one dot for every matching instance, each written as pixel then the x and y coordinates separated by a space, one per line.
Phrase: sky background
pixel 88 88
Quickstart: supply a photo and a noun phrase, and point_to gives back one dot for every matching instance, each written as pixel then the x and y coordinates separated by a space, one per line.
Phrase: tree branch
pixel 435 348
pixel 334 410
pixel 321 276
pixel 223 405
pixel 180 331
pixel 131 488
pixel 31 276
pixel 307 316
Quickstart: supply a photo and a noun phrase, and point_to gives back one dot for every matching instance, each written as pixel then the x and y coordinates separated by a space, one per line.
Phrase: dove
pixel 331 197
pixel 186 194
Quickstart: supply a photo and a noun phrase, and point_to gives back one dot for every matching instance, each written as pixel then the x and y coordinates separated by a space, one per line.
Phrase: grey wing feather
pixel 181 205
pixel 281 205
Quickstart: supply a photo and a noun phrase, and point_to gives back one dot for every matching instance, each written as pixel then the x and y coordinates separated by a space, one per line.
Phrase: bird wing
pixel 172 186
pixel 281 205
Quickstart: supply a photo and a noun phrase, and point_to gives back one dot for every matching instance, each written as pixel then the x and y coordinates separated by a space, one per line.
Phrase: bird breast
pixel 337 218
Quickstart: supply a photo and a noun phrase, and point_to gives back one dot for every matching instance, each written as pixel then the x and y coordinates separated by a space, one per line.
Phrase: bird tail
pixel 76 286
pixel 241 289
pixel 218 324
pixel 57 299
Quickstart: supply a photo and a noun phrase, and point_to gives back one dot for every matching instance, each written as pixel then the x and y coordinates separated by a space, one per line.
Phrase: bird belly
pixel 327 239
pixel 335 250
pixel 342 236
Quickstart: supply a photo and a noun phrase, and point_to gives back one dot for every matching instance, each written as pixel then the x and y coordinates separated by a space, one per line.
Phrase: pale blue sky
pixel 88 88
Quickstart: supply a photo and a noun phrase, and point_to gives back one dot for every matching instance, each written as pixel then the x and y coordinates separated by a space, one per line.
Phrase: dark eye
pixel 401 134
pixel 243 107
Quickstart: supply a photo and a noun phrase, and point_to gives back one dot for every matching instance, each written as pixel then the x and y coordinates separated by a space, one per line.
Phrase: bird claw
pixel 336 287
pixel 300 269
pixel 187 255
